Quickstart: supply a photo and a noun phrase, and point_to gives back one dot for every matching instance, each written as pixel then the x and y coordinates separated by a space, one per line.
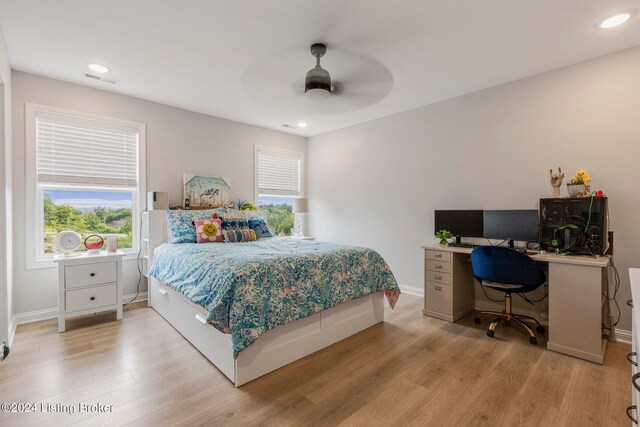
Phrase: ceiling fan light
pixel 317 94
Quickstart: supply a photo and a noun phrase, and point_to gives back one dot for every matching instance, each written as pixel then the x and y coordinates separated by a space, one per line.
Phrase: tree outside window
pixel 105 213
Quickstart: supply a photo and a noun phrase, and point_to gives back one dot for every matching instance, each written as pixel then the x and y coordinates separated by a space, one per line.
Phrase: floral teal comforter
pixel 250 288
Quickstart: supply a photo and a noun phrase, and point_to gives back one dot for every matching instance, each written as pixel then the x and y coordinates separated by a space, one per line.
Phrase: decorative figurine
pixel 556 181
pixel 94 243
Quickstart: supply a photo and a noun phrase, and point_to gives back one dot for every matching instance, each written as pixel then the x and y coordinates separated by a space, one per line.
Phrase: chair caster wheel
pixel 490 333
pixel 540 329
pixel 477 320
pixel 533 340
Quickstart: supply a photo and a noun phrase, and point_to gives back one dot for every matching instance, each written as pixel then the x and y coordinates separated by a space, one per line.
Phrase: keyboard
pixel 463 245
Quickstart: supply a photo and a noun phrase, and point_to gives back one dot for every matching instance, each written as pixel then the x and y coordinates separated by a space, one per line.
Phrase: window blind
pixel 279 173
pixel 79 151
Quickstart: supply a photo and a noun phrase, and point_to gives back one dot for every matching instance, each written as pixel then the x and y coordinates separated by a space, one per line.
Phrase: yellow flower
pixel 581 177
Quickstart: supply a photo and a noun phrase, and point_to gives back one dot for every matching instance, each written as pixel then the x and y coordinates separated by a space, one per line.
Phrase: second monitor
pixel 511 225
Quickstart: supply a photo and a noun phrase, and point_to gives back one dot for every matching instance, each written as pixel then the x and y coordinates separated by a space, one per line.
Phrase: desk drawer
pixel 87 298
pixel 438 266
pixel 90 274
pixel 434 276
pixel 437 297
pixel 439 255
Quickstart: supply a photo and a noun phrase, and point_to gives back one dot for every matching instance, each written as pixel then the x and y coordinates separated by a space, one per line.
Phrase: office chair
pixel 509 271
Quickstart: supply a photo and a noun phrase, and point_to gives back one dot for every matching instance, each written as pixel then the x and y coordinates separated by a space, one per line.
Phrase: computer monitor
pixel 511 225
pixel 467 223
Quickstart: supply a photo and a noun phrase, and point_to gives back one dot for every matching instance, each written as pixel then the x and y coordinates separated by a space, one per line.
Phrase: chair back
pixel 504 265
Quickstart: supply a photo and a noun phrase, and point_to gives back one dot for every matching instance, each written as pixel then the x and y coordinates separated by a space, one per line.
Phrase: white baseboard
pixel 52 313
pixel 36 316
pixel 412 290
pixel 623 336
pixel 130 298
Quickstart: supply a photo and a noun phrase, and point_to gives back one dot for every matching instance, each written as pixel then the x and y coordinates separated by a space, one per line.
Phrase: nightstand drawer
pixel 87 298
pixel 439 255
pixel 438 266
pixel 434 276
pixel 437 297
pixel 90 274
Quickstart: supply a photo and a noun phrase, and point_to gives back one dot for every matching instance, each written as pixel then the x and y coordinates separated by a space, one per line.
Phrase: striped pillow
pixel 237 236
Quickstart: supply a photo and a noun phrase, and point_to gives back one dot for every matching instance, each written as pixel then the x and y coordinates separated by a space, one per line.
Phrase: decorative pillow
pixel 254 214
pixel 209 230
pixel 233 219
pixel 180 224
pixel 237 236
pixel 260 227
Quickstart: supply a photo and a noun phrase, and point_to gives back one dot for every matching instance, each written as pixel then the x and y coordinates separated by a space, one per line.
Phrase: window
pixel 278 182
pixel 86 174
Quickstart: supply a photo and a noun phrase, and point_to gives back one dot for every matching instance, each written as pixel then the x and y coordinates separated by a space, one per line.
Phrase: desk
pixel 577 296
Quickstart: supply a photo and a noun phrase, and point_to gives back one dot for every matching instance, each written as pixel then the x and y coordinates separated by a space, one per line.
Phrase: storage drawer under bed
pixel 191 321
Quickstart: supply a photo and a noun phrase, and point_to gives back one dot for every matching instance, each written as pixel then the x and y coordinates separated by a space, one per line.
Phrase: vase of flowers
pixel 578 186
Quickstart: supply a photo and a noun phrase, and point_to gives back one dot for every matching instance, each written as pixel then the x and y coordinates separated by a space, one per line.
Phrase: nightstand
pixel 89 284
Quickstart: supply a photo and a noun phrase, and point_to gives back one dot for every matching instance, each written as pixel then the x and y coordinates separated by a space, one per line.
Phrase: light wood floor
pixel 411 370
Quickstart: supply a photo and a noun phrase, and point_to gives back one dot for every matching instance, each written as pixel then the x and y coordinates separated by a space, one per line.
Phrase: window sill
pixel 49 263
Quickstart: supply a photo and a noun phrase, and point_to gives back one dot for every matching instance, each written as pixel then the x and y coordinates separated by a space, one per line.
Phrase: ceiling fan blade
pixel 358 81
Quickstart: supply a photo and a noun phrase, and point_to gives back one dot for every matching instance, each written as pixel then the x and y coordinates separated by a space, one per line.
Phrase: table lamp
pixel 300 207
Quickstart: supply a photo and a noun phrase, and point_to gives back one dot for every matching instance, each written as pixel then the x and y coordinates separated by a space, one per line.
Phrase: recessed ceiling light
pixel 302 124
pixel 615 20
pixel 98 68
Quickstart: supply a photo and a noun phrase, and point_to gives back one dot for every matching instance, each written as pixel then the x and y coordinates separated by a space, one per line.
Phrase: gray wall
pixel 377 184
pixel 6 279
pixel 178 141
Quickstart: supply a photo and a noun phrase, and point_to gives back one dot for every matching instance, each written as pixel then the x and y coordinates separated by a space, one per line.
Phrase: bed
pixel 253 307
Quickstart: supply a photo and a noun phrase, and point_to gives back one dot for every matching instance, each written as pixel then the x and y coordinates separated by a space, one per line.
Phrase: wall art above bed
pixel 202 192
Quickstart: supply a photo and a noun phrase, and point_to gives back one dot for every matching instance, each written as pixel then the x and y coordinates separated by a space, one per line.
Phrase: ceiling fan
pixel 356 80
pixel 318 80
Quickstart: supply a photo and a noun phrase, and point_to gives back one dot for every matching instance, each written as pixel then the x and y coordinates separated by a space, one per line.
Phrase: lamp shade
pixel 300 206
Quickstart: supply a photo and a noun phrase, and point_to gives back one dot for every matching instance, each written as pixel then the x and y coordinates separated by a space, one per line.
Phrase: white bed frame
pixel 275 348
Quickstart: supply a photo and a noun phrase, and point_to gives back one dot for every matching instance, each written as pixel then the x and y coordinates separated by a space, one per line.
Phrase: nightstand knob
pixel 92 298
pixel 92 274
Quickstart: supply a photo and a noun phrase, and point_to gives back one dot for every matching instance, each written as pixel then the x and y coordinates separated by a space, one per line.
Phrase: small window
pixel 85 174
pixel 278 183
pixel 279 212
